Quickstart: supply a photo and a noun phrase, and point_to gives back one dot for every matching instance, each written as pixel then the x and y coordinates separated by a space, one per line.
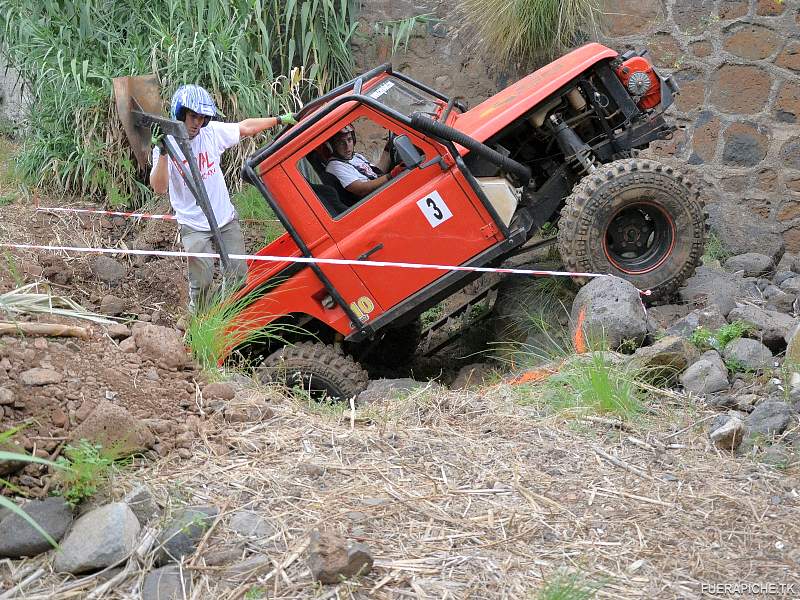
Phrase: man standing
pixel 208 139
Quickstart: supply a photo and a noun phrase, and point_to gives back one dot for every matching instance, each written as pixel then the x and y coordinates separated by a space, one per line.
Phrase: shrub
pixel 84 468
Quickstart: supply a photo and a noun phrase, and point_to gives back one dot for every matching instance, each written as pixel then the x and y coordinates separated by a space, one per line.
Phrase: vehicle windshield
pixel 403 98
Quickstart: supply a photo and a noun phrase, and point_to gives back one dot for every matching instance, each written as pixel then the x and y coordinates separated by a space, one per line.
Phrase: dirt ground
pixel 484 493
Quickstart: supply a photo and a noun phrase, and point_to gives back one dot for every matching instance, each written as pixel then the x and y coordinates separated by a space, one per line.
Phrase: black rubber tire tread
pixel 597 195
pixel 320 364
pixel 398 346
pixel 446 132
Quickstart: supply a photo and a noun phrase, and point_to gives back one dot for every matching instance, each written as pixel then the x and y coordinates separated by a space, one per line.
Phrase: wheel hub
pixel 639 237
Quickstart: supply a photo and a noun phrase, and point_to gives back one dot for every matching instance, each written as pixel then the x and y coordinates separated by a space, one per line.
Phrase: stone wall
pixel 738 65
pixel 12 112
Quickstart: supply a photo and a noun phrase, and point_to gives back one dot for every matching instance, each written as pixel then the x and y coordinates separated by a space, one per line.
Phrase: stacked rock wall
pixel 738 65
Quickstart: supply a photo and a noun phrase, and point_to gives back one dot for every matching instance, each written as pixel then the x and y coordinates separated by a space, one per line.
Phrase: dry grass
pixel 470 495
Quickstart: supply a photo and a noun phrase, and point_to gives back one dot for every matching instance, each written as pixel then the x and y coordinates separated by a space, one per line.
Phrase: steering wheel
pixel 393 158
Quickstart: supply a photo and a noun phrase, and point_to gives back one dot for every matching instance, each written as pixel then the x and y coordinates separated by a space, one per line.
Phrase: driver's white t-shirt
pixel 207 148
pixel 357 168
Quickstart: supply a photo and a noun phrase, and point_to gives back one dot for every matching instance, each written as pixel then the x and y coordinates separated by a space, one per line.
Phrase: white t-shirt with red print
pixel 207 148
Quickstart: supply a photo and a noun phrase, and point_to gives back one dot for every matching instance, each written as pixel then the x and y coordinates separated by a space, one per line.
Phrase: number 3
pixel 437 212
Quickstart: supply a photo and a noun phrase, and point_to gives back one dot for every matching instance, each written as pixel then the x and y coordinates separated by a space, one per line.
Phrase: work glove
pixel 397 170
pixel 287 119
pixel 157 138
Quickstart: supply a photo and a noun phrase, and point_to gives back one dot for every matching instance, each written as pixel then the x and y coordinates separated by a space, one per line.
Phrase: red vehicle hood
pixel 491 116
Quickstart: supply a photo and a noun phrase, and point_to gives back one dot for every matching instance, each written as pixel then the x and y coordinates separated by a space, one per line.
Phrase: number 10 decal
pixel 434 209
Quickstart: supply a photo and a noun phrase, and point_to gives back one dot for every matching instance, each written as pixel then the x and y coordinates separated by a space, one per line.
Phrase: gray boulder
pixel 184 532
pixel 782 276
pixel 670 353
pixel 790 261
pixel 708 317
pixel 609 310
pixel 738 228
pixel 250 524
pixel 779 300
pixel 752 355
pixel 726 431
pixel 167 583
pixel 108 270
pixel 706 376
pixel 769 418
pixel 18 538
pixel 100 538
pixel 711 287
pixel 772 326
pixel 332 559
pixel 752 263
pixel 141 502
pixel 791 285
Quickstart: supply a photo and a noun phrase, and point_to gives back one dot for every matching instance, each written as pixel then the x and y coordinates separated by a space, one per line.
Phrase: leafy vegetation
pixel 256 57
pixel 211 333
pixel 566 587
pixel 593 383
pixel 256 213
pixel 401 30
pixel 527 30
pixel 84 468
pixel 715 250
pixel 5 455
pixel 705 339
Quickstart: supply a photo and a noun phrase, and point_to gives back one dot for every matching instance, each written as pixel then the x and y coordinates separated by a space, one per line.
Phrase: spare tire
pixel 637 219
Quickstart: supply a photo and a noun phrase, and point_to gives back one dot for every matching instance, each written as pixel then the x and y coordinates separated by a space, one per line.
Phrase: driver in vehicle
pixel 355 173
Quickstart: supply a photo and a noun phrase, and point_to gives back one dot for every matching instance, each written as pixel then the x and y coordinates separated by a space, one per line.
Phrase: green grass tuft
pixel 566 587
pixel 592 383
pixel 715 250
pixel 257 214
pixel 705 339
pixel 528 30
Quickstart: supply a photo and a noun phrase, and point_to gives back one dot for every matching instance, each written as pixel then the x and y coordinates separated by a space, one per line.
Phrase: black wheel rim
pixel 639 238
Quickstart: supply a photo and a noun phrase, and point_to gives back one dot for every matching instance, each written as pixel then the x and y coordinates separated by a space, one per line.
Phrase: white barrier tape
pixel 115 213
pixel 303 259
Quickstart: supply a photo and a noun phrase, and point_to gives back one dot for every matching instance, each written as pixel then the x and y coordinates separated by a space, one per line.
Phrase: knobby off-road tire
pixel 637 219
pixel 317 369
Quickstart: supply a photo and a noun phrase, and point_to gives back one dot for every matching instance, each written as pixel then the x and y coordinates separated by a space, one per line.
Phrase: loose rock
pixel 112 305
pixel 609 309
pixel 332 559
pixel 6 396
pixel 219 391
pixel 752 263
pixel 100 538
pixel 769 418
pixel 727 431
pixel 39 376
pixel 108 270
pixel 18 538
pixel 669 353
pixel 250 524
pixel 162 345
pixel 706 376
pixel 709 318
pixel 772 326
pixel 470 376
pixel 167 583
pixel 752 355
pixel 142 504
pixel 115 429
pixel 711 287
pixel 184 532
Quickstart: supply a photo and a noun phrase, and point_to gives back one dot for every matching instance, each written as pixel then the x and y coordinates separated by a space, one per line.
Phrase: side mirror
pixel 406 152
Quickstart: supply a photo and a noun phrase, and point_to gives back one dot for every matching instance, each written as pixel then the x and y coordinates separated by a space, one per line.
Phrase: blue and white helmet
pixel 194 98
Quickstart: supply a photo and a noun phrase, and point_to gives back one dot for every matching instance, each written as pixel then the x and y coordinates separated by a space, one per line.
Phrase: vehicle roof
pixel 495 113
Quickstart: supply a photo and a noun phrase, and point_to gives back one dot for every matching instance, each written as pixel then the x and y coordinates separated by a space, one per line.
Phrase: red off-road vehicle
pixel 557 146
